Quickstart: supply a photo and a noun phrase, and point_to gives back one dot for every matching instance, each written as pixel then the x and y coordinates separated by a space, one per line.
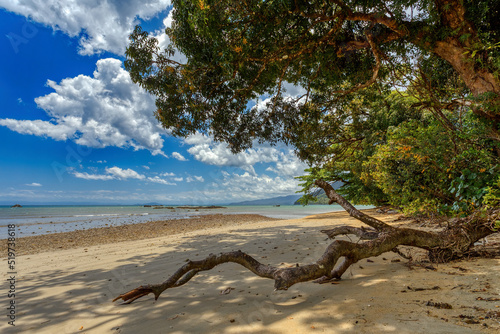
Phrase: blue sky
pixel 74 128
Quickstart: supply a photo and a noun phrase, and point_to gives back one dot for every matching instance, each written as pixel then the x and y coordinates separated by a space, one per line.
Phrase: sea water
pixel 42 219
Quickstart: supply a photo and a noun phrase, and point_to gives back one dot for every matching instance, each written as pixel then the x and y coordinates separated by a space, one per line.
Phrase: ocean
pixel 41 219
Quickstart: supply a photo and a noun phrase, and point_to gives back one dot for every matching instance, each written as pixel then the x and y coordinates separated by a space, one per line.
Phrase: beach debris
pixel 226 291
pixel 468 319
pixel 489 299
pixel 176 316
pixel 438 305
pixel 423 289
pixel 460 268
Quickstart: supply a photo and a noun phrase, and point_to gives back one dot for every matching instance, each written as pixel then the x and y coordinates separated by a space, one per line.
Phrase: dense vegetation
pixel 400 99
pixel 400 102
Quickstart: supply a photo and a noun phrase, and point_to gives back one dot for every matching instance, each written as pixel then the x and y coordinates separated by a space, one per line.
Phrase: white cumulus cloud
pixel 195 178
pixel 87 176
pixel 159 180
pixel 99 25
pixel 112 173
pixel 283 161
pixel 178 156
pixel 107 109
pixel 124 174
pixel 207 151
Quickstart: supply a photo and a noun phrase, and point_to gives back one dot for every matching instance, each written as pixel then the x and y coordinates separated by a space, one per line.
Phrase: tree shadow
pixel 78 300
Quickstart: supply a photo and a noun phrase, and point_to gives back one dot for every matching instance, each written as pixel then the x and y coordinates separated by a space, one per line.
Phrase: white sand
pixel 70 291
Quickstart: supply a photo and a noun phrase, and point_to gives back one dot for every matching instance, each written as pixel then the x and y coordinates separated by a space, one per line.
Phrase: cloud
pixel 288 165
pixel 34 184
pixel 293 90
pixel 164 40
pixel 218 154
pixel 195 178
pixel 87 176
pixel 99 25
pixel 113 173
pixel 235 187
pixel 205 150
pixel 256 186
pixel 107 109
pixel 157 179
pixel 178 156
pixel 61 131
pixel 124 174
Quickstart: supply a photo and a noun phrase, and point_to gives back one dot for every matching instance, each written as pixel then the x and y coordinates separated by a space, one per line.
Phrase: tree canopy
pixel 400 102
pixel 399 99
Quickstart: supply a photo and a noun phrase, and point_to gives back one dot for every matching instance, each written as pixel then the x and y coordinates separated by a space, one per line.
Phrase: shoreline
pixel 50 220
pixel 129 232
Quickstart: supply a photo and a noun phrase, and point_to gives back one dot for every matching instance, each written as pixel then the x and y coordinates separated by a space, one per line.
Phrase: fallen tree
pixel 451 243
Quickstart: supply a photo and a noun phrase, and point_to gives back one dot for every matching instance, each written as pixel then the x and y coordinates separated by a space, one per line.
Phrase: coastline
pixel 137 231
pixel 70 290
pixel 39 220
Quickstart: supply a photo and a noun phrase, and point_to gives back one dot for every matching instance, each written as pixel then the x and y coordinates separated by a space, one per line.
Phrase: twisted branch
pixel 382 238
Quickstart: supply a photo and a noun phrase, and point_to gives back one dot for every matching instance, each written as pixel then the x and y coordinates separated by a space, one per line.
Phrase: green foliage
pixel 426 168
pixel 492 195
pixel 383 111
pixel 406 158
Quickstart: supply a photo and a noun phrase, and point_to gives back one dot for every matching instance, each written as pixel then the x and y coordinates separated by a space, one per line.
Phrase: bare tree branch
pixel 443 246
pixel 355 213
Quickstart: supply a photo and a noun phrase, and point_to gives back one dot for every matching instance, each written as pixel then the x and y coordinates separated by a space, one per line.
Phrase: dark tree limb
pixel 362 233
pixel 453 242
pixel 353 212
pixel 191 268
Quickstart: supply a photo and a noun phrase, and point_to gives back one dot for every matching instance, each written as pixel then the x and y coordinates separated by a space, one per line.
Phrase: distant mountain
pixel 322 199
pixel 282 200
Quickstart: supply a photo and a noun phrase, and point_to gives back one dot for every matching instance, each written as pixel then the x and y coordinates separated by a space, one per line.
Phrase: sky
pixel 74 128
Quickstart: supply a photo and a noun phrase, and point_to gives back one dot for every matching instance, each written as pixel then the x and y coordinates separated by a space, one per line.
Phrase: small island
pixel 201 207
pixel 17 206
pixel 184 207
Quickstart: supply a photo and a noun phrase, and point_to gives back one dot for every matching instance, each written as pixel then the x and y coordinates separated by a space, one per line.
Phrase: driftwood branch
pixel 362 233
pixel 353 212
pixel 450 243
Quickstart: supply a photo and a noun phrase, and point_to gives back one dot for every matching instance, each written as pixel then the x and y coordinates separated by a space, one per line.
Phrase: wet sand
pixel 111 234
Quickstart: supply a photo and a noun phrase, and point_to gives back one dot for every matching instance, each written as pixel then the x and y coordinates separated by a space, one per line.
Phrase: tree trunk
pixel 478 80
pixel 451 243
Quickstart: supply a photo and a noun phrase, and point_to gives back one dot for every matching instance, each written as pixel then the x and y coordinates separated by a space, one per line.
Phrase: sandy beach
pixel 65 283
